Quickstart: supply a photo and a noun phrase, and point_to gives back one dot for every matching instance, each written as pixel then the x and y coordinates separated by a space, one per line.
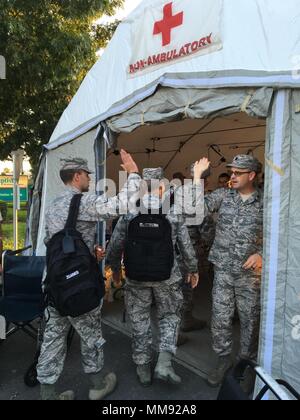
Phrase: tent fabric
pixel 261 41
pixel 280 326
pixel 175 104
pixel 259 44
pixel 52 184
pixel 35 206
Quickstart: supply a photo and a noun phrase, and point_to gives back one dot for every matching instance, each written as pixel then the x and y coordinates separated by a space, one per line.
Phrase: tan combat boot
pixel 216 376
pixel 48 393
pixel 164 369
pixel 102 386
pixel 144 374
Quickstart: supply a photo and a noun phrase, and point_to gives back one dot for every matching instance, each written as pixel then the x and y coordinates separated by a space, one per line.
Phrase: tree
pixel 49 46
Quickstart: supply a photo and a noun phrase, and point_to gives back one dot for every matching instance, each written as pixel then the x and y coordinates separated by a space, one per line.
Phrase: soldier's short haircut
pixel 67 176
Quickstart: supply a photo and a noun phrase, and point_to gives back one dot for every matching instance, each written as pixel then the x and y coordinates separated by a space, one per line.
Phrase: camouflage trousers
pixel 168 302
pixel 205 270
pixel 231 291
pixel 54 347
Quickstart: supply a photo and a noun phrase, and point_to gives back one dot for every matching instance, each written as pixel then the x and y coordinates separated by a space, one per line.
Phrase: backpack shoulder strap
pixel 172 198
pixel 73 212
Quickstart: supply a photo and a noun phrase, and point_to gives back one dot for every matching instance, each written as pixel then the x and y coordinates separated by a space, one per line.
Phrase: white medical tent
pixel 183 78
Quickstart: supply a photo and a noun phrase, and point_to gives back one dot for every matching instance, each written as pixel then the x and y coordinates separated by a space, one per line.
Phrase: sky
pixel 129 6
pixel 8 164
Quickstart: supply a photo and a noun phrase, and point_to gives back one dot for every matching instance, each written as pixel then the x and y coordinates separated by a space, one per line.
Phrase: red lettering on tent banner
pixel 168 23
pixel 169 56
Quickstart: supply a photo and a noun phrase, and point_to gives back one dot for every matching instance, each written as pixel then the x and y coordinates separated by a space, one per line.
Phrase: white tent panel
pixel 83 147
pixel 259 39
pixel 261 47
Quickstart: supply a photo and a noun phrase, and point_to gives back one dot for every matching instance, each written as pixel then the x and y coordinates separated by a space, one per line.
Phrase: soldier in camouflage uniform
pixel 167 295
pixel 237 258
pixel 201 237
pixel 75 175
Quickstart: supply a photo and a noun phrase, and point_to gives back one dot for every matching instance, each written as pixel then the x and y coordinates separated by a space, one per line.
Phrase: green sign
pixel 6 194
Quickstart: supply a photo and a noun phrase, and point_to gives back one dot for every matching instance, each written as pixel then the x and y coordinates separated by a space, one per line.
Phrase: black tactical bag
pixel 149 253
pixel 74 284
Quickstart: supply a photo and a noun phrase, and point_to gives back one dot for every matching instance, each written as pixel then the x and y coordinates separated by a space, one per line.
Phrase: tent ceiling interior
pixel 178 144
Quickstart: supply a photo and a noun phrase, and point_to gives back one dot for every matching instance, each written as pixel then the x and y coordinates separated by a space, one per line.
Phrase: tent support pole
pixel 187 141
pixel 100 155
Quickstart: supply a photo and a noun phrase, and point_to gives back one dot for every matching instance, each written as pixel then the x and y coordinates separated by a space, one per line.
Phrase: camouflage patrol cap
pixel 75 164
pixel 153 173
pixel 246 162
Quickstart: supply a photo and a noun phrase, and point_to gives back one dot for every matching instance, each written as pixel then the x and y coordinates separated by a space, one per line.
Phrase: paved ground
pixel 17 352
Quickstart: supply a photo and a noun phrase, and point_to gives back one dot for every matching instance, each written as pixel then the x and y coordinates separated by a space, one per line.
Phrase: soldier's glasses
pixel 238 173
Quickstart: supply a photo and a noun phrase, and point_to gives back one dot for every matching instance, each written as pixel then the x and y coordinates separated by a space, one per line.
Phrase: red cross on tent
pixel 168 23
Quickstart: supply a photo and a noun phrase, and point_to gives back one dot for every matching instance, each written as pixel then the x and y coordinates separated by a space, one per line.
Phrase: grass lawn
pixel 7 229
pixel 8 237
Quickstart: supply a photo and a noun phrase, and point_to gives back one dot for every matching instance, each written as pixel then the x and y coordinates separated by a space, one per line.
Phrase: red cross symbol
pixel 166 25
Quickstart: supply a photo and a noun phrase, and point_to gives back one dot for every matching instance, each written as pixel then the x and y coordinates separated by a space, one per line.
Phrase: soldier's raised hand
pixel 128 164
pixel 200 167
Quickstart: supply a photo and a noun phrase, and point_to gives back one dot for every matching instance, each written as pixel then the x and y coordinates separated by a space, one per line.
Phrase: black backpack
pixel 149 252
pixel 74 284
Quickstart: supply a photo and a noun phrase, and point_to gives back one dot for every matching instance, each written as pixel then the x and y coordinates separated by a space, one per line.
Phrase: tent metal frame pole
pixel 187 141
pixel 157 139
pixel 100 155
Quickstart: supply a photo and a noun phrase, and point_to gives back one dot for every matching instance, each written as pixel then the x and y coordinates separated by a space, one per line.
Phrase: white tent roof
pixel 260 40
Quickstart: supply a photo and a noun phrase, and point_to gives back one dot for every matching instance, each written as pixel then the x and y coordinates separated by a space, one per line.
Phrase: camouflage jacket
pixel 180 236
pixel 239 230
pixel 204 234
pixel 93 209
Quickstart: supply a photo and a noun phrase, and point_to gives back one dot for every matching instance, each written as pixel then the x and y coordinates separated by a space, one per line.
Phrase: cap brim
pixel 231 165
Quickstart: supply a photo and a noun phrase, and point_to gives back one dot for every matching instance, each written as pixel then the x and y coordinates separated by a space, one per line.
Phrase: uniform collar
pixel 73 189
pixel 237 197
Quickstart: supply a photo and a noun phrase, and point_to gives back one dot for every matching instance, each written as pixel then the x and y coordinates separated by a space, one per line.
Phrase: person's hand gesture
pixel 200 167
pixel 128 164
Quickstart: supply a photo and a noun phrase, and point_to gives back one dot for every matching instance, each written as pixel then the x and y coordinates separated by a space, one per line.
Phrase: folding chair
pixel 21 303
pixel 231 389
pixel 22 299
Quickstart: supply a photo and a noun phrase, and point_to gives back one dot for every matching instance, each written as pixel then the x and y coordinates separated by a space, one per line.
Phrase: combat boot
pixel 189 323
pixel 216 376
pixel 181 340
pixel 48 393
pixel 102 386
pixel 164 369
pixel 144 374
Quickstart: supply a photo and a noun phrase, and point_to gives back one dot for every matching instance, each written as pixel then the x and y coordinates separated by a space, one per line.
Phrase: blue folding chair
pixel 22 299
pixel 22 302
